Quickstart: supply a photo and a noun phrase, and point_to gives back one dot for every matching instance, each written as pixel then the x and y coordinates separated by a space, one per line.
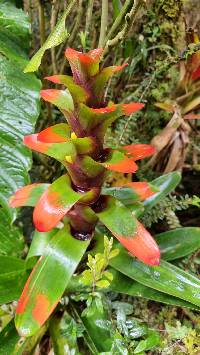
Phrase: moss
pixel 171 8
pixel 171 22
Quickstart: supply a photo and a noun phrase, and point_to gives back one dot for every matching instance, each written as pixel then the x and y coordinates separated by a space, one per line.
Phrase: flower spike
pixel 77 198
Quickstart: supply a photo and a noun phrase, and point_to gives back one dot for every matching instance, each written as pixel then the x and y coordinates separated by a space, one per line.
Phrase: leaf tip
pixel 54 79
pixel 49 94
pixel 154 261
pixel 128 109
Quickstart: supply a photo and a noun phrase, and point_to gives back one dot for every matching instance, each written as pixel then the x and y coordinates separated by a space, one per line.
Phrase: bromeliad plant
pixel 77 198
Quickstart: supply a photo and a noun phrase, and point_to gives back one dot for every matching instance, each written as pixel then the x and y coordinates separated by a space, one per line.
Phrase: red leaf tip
pixel 128 109
pixel 117 68
pixel 86 58
pixel 49 94
pixel 139 151
pixel 104 109
pixel 54 79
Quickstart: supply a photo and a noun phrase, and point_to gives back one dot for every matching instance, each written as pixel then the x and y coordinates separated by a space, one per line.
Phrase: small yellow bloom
pixel 73 135
pixel 68 158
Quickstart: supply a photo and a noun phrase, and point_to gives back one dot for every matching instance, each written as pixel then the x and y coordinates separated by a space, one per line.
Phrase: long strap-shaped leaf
pixel 166 278
pixel 131 192
pixel 48 281
pixel 166 184
pixel 123 284
pixel 175 244
pixel 120 283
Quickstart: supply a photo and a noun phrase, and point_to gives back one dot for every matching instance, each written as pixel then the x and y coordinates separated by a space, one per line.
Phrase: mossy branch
pixel 165 209
pixel 121 35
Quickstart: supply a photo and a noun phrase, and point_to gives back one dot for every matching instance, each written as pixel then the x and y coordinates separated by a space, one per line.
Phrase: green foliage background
pixel 140 326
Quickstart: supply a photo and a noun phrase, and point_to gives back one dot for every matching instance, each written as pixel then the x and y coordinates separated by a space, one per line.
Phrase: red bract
pixel 142 189
pixel 142 245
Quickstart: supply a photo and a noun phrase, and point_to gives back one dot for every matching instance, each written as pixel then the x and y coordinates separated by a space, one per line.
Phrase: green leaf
pixel 149 343
pixel 117 5
pixel 12 343
pixel 125 307
pixel 98 325
pixel 64 332
pixel 179 242
pixel 118 219
pixel 19 109
pixel 8 339
pixel 12 278
pixel 136 329
pixel 126 285
pixel 108 275
pixel 48 281
pixel 130 286
pixel 56 37
pixel 87 339
pixel 103 283
pixel 113 253
pixel 118 345
pixel 11 238
pixel 78 93
pixel 14 33
pixel 166 278
pixel 60 98
pixel 40 242
pixel 125 194
pixel 166 184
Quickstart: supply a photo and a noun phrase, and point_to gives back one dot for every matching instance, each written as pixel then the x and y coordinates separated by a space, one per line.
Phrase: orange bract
pixel 142 245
